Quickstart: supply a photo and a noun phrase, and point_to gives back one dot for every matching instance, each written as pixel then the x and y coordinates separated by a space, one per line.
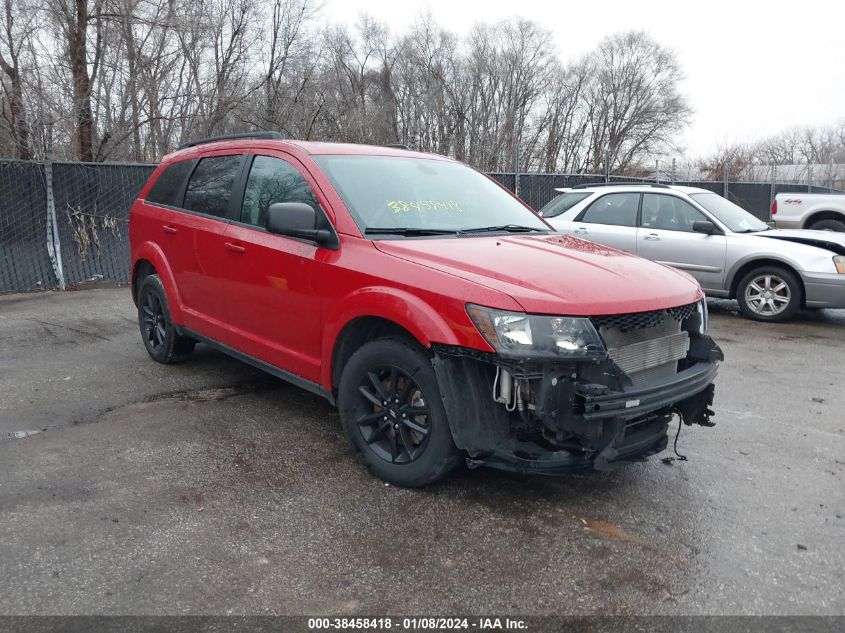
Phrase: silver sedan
pixel 771 273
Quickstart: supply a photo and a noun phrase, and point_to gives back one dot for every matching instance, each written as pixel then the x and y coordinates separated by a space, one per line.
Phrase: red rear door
pixel 159 220
pixel 208 204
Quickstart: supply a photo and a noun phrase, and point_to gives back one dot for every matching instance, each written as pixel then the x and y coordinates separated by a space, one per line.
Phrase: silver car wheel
pixel 767 295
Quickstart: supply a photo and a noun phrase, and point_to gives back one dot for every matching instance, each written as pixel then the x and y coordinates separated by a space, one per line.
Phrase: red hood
pixel 555 274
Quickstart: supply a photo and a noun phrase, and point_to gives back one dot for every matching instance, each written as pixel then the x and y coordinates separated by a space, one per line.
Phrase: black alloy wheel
pixel 153 321
pixel 393 414
pixel 395 423
pixel 162 341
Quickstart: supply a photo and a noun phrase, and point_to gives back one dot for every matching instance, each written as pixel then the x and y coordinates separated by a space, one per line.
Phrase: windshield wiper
pixel 412 231
pixel 510 228
pixel 386 230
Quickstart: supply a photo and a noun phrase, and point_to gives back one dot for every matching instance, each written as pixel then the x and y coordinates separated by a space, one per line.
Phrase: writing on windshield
pixel 400 206
pixel 410 196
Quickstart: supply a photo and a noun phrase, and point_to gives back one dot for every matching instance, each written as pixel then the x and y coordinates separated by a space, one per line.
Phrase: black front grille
pixel 682 313
pixel 642 320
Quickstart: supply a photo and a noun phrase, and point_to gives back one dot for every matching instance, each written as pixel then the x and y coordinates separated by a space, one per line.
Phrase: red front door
pixel 271 282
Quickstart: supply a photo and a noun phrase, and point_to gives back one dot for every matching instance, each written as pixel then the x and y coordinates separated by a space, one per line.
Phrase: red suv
pixel 444 318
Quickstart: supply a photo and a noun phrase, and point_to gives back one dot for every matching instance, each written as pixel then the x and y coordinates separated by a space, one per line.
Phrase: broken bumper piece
pixel 572 416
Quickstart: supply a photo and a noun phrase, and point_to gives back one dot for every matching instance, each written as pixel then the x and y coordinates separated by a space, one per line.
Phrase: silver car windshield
pixel 391 195
pixel 732 216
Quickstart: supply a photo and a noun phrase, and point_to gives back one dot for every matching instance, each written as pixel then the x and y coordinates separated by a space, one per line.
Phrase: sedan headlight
pixel 529 335
pixel 839 262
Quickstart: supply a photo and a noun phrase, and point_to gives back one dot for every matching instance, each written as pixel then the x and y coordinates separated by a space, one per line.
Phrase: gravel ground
pixel 210 488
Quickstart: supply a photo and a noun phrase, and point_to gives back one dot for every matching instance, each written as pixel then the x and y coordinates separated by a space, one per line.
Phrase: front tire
pixel 163 343
pixel 393 415
pixel 769 293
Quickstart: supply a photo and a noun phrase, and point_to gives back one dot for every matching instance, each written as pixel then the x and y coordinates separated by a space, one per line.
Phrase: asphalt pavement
pixel 127 487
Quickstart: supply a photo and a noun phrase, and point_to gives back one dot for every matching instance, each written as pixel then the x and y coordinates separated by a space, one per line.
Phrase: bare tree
pixel 505 75
pixel 18 22
pixel 359 65
pixel 128 14
pixel 562 128
pixel 134 78
pixel 73 19
pixel 289 20
pixel 794 147
pixel 421 80
pixel 739 159
pixel 633 102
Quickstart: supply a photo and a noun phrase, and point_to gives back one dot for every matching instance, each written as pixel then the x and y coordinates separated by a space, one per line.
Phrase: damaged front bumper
pixel 572 415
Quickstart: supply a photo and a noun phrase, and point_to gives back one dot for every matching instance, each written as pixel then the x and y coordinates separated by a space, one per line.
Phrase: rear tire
pixel 393 415
pixel 163 343
pixel 769 293
pixel 828 225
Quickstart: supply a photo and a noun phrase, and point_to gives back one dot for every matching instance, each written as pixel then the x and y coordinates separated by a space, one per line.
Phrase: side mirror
pixel 296 219
pixel 705 226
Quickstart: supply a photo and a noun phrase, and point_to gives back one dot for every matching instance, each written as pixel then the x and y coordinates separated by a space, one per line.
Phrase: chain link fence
pixel 63 224
pixel 24 259
pixel 92 212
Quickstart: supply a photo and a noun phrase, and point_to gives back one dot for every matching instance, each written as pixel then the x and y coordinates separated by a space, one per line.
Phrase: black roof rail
pixel 229 137
pixel 585 185
pixel 398 146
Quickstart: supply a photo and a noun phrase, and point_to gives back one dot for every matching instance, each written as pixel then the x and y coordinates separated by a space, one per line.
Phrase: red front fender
pixel 403 308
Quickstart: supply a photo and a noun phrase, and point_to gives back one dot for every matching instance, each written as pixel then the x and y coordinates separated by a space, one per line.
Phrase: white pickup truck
pixel 818 211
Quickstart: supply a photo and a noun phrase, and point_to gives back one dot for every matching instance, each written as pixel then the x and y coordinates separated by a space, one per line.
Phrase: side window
pixel 272 180
pixel 669 213
pixel 210 186
pixel 562 203
pixel 167 189
pixel 619 209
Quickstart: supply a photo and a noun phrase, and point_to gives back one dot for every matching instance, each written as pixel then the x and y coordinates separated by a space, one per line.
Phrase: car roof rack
pixel 229 137
pixel 398 146
pixel 585 185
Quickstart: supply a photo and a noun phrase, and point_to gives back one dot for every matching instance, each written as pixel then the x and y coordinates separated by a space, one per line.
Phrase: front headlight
pixel 701 308
pixel 536 336
pixel 839 262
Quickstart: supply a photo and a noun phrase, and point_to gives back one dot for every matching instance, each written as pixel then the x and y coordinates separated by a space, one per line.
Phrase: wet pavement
pixel 127 487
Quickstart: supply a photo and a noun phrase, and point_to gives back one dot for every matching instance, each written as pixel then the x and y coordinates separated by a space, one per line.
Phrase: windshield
pixel 732 216
pixel 417 196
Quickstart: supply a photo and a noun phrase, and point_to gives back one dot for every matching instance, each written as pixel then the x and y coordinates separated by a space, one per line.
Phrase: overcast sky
pixel 752 68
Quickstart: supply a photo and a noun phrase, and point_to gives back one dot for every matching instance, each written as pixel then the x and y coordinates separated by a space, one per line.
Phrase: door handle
pixel 581 231
pixel 169 229
pixel 653 237
pixel 235 248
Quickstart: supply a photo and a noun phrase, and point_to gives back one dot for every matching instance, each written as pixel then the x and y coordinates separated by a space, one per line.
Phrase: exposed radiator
pixel 647 353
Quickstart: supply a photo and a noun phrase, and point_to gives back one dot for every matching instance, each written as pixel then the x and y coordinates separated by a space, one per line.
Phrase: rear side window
pixel 563 203
pixel 618 209
pixel 210 186
pixel 167 189
pixel 272 180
